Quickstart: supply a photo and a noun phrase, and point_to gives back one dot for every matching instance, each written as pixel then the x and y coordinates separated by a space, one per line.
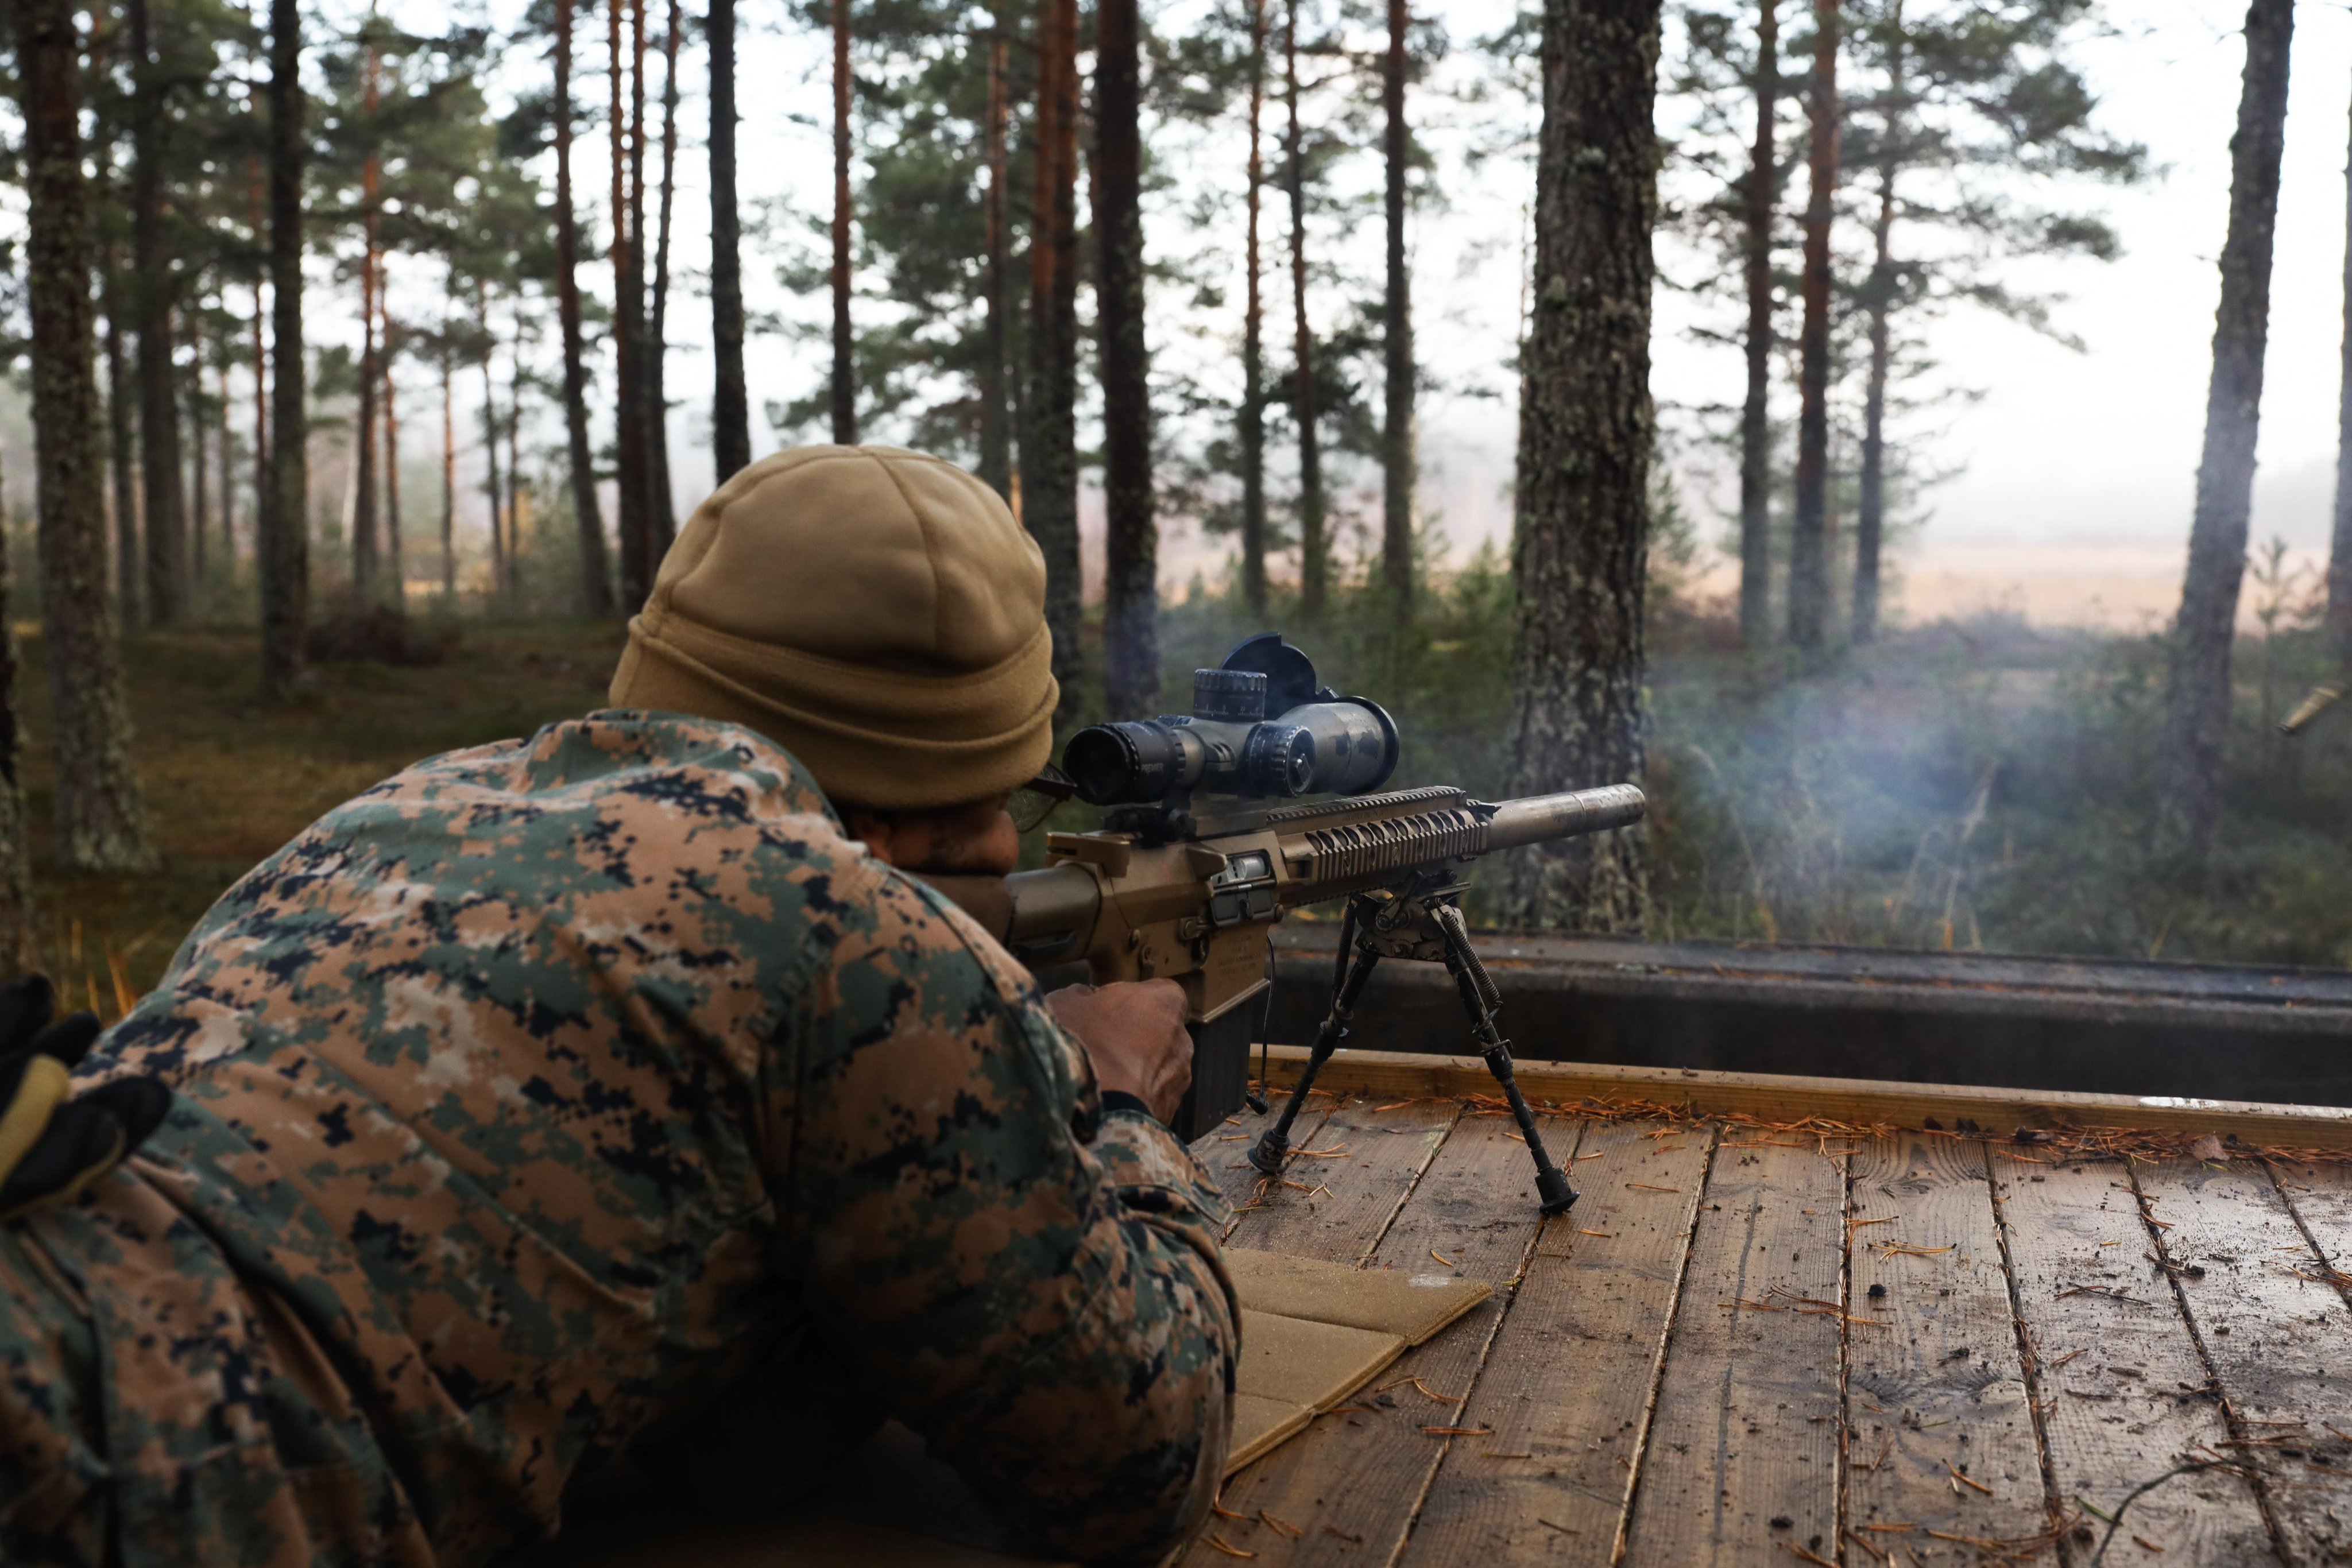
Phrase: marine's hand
pixel 1134 1032
pixel 53 1142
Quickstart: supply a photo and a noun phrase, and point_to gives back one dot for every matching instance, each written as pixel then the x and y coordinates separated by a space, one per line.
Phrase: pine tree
pixel 101 822
pixel 2197 703
pixel 845 342
pixel 1314 570
pixel 1049 462
pixel 1397 457
pixel 1761 193
pixel 1586 433
pixel 1809 584
pixel 595 574
pixel 284 545
pixel 1131 535
pixel 730 407
pixel 1253 409
pixel 156 283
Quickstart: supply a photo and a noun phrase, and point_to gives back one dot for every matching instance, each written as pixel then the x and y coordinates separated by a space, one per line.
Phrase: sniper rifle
pixel 1164 891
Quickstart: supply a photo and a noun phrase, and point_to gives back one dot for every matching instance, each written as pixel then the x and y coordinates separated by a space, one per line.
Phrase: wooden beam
pixel 1997 1113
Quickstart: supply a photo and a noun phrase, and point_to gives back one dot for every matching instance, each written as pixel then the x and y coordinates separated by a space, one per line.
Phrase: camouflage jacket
pixel 522 1101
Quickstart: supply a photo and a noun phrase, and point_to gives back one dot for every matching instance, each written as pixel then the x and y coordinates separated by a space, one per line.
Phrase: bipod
pixel 1423 922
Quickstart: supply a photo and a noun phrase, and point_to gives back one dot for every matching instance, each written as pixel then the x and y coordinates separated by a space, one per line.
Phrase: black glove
pixel 54 1142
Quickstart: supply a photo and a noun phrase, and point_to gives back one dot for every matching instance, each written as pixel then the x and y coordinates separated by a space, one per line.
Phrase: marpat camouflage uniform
pixel 530 1093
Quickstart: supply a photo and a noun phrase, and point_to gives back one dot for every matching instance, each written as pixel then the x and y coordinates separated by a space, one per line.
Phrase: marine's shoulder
pixel 626 751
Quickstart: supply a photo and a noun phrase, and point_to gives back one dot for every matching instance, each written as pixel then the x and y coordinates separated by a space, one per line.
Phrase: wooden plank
pixel 1358 1169
pixel 1569 1379
pixel 1746 1429
pixel 1350 1482
pixel 2320 1196
pixel 1225 1149
pixel 2272 1331
pixel 2111 1372
pixel 1863 1102
pixel 1941 1434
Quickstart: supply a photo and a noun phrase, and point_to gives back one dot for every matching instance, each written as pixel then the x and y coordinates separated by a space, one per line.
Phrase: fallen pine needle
pixel 1794 1550
pixel 2151 1545
pixel 1549 1525
pixel 1222 1512
pixel 1604 1235
pixel 1904 1250
pixel 1339 1151
pixel 1967 1481
pixel 1458 1431
pixel 1336 1534
pixel 1513 1137
pixel 1591 1156
pixel 1230 1550
pixel 1350 1410
pixel 1443 1259
pixel 1858 1224
pixel 1393 1105
pixel 1283 1526
pixel 1649 1186
pixel 1906 1527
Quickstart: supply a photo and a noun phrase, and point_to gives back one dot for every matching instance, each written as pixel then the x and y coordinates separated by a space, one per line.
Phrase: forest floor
pixel 1958 786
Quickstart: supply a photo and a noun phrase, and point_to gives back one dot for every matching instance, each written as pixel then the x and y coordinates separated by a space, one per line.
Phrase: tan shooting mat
pixel 1313 1334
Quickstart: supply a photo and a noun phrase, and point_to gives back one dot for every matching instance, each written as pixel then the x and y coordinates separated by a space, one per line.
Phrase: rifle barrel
pixel 1541 817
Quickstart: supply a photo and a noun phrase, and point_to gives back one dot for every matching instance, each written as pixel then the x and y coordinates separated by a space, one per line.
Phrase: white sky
pixel 2076 470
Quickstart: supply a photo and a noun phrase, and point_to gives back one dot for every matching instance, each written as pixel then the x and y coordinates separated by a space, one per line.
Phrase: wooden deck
pixel 1749 1343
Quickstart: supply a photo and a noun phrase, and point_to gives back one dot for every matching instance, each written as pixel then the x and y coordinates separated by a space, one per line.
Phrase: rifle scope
pixel 1318 743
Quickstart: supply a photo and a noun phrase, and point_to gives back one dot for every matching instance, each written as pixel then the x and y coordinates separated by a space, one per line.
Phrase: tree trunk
pixel 661 506
pixel 155 282
pixel 490 455
pixel 730 405
pixel 17 953
pixel 101 825
pixel 1049 462
pixel 285 532
pixel 121 455
pixel 628 449
pixel 1870 521
pixel 1585 437
pixel 365 550
pixel 2197 707
pixel 1755 430
pixel 399 569
pixel 1808 586
pixel 2339 554
pixel 1397 465
pixel 257 217
pixel 996 434
pixel 227 439
pixel 596 575
pixel 514 586
pixel 449 480
pixel 1312 567
pixel 844 369
pixel 199 490
pixel 1131 534
pixel 1253 411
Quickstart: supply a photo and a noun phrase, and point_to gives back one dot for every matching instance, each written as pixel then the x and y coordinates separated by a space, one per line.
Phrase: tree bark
pixel 628 313
pixel 2197 708
pixel 365 551
pixel 1312 566
pixel 661 508
pixel 399 570
pixel 730 405
pixel 995 431
pixel 1585 437
pixel 154 283
pixel 449 480
pixel 121 454
pixel 1870 521
pixel 1252 411
pixel 1131 534
pixel 491 454
pixel 1397 465
pixel 199 490
pixel 256 217
pixel 101 823
pixel 285 531
pixel 514 586
pixel 1049 464
pixel 595 574
pixel 227 439
pixel 2339 553
pixel 17 953
pixel 1809 587
pixel 844 368
pixel 1755 429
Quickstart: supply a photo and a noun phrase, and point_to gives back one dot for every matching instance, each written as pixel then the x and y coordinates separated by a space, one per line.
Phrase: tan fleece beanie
pixel 877 612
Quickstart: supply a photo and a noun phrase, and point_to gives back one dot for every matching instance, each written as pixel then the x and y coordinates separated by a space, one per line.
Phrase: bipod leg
pixel 1553 1194
pixel 1274 1146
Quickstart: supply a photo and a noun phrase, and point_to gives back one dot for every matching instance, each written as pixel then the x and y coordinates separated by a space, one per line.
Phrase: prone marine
pixel 595 1091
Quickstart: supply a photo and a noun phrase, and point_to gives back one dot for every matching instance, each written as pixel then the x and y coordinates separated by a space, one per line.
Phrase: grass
pixel 1959 786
